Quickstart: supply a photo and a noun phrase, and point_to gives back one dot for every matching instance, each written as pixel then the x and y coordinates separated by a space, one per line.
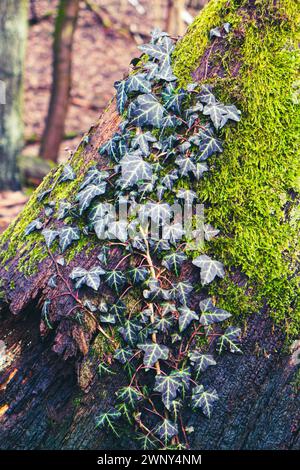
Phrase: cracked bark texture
pixel 50 391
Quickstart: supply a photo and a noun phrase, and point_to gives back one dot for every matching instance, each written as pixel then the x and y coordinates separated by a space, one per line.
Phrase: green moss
pixel 250 192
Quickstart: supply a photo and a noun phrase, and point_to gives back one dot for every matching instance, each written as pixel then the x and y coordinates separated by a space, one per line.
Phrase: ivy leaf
pixel 173 261
pixel 118 309
pixel 68 174
pixel 164 323
pixel 134 169
pixel 86 195
pixel 210 232
pixel 63 210
pixel 169 122
pixel 115 279
pixel 33 226
pixel 123 355
pixel 232 113
pixel 99 211
pixel 169 179
pixel 138 275
pixel 230 340
pixel 52 283
pixel 204 399
pixel 216 111
pixel 208 147
pixel 153 50
pixel 184 375
pixel 209 268
pixel 210 313
pixel 103 369
pixel 89 278
pixel 159 212
pixel 138 82
pixel 166 430
pixel 50 236
pixel 186 316
pixel 155 292
pixel 206 95
pixel 199 170
pixel 141 141
pixel 182 291
pixel 111 148
pixel 215 32
pixel 108 419
pixel 168 386
pixel 153 352
pixel 118 230
pixel 152 70
pixel 201 362
pixel 129 395
pixel 43 194
pixel 173 101
pixel 187 194
pixel 95 177
pixel 121 95
pixel 173 232
pixel 186 165
pixel 130 331
pixel 67 235
pixel 146 110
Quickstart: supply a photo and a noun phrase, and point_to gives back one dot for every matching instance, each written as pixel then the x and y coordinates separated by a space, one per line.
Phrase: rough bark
pixel 13 31
pixel 62 76
pixel 50 391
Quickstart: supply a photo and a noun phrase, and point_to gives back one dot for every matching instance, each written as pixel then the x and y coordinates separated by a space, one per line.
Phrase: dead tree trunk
pixel 62 76
pixel 50 390
pixel 13 32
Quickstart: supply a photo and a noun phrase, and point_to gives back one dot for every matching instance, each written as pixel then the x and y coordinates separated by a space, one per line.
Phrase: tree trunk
pixel 13 32
pixel 50 390
pixel 174 24
pixel 62 76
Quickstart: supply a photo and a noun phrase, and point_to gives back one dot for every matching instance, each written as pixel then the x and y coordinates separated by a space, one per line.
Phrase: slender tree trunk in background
pixel 62 75
pixel 174 22
pixel 13 32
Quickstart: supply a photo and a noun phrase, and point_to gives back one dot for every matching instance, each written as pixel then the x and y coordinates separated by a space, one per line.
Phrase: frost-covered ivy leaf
pixel 227 27
pixel 90 278
pixel 169 179
pixel 109 318
pixel 68 174
pixel 201 361
pixel 160 190
pixel 211 314
pixel 166 430
pixel 61 261
pixel 186 165
pixel 159 245
pixel 209 268
pixel 168 386
pixel 111 148
pixel 141 141
pixel 100 211
pixel 163 323
pixel 52 283
pixel 138 82
pixel 121 95
pixel 159 212
pixel 86 195
pixel 204 399
pixel 33 226
pixel 215 32
pixel 206 95
pixel 63 210
pixel 229 340
pixel 67 236
pixel 165 71
pixel 115 279
pixel 196 108
pixel 187 194
pixel 208 147
pixel 210 232
pixel 50 236
pixel 153 50
pixel 118 230
pixel 108 419
pixel 146 110
pixel 173 232
pixel 130 331
pixel 153 352
pixel 169 122
pixel 200 169
pixel 173 101
pixel 129 395
pixel 182 291
pixel 43 194
pixel 138 275
pixel 134 169
pixel 186 316
pixel 152 70
pixel 123 355
pixel 173 261
pixel 232 113
pixel 216 112
pixel 95 177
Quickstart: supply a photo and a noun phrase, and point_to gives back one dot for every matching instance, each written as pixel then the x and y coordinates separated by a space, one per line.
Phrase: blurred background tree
pixel 13 32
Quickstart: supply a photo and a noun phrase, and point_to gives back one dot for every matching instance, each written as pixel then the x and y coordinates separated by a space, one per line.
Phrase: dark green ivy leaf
pixel 33 226
pixel 166 430
pixel 230 340
pixel 121 95
pixel 145 110
pixel 211 314
pixel 173 261
pixel 201 361
pixel 209 268
pixel 130 331
pixel 67 235
pixel 141 141
pixel 90 278
pixel 130 395
pixel 138 275
pixel 168 386
pixel 134 169
pixel 68 174
pixel 186 316
pixel 108 419
pixel 153 353
pixel 86 195
pixel 123 355
pixel 138 82
pixel 115 280
pixel 204 399
pixel 182 291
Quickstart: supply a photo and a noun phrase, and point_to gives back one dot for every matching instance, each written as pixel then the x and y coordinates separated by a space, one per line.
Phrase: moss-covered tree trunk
pixel 13 32
pixel 62 77
pixel 50 389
